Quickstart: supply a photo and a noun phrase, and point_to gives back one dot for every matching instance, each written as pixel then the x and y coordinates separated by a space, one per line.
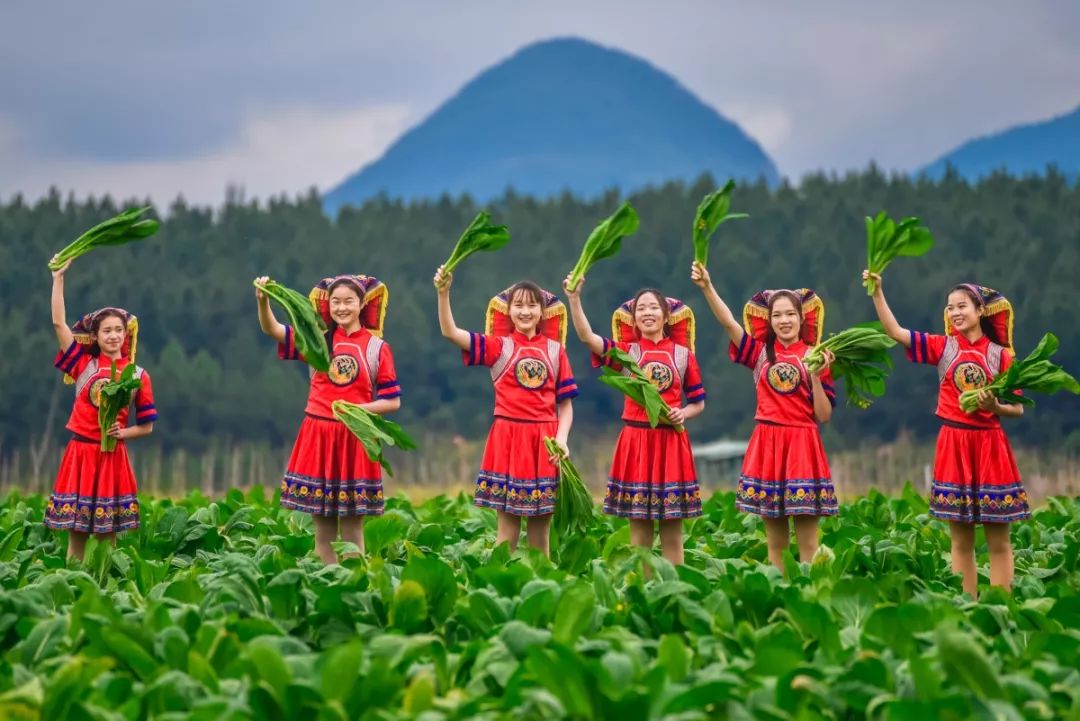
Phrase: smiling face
pixel 785 319
pixel 650 314
pixel 110 334
pixel 963 313
pixel 525 311
pixel 345 307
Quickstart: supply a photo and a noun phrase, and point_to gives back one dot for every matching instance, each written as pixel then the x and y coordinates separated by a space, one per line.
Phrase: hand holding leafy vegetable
pixel 638 387
pixel 887 240
pixel 309 331
pixel 373 431
pixel 861 361
pixel 1034 373
pixel 574 509
pixel 480 235
pixel 118 230
pixel 604 241
pixel 115 396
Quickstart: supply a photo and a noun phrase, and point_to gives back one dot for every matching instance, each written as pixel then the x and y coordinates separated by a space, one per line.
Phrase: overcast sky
pixel 143 98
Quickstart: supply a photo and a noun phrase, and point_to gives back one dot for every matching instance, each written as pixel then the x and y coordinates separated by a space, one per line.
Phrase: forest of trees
pixel 217 378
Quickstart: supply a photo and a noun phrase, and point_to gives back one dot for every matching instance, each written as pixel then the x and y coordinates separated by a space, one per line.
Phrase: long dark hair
pixel 987 327
pixel 770 334
pixel 95 325
pixel 665 307
pixel 349 283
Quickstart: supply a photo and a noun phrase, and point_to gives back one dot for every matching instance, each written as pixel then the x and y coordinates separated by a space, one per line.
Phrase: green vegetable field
pixel 216 610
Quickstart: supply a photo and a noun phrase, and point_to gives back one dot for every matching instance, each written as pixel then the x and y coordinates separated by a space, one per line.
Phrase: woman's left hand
pixel 987 401
pixel 554 458
pixel 677 416
pixel 117 431
pixel 829 357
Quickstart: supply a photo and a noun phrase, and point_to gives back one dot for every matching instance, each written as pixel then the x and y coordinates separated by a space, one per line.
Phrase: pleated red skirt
pixel 785 473
pixel 95 491
pixel 329 474
pixel 976 479
pixel 515 475
pixel 653 475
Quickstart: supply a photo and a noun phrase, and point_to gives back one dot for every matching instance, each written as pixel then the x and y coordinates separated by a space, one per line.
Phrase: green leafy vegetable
pixel 309 331
pixel 115 396
pixel 886 240
pixel 637 386
pixel 711 213
pixel 480 235
pixel 373 431
pixel 126 227
pixel 861 361
pixel 604 241
pixel 574 510
pixel 1035 373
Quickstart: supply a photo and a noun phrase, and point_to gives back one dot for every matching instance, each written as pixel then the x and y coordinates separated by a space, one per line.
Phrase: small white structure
pixel 719 462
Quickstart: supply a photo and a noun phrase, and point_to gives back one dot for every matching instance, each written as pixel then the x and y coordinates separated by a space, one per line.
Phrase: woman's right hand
pixel 574 294
pixel 442 279
pixel 867 276
pixel 259 283
pixel 59 272
pixel 699 275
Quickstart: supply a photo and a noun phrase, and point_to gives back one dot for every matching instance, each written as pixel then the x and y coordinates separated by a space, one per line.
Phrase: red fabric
pixel 329 474
pixel 84 413
pixel 528 388
pixel 653 476
pixel 680 331
pixel 784 389
pixel 348 379
pixel 976 479
pixel 785 473
pixel 758 321
pixel 515 474
pixel 970 369
pixel 658 360
pixel 95 492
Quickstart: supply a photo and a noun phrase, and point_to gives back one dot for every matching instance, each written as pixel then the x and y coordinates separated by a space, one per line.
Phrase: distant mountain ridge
pixel 562 114
pixel 1029 148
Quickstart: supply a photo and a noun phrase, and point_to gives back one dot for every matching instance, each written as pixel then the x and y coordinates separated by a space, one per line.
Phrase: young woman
pixel 652 477
pixel 975 475
pixel 785 472
pixel 534 387
pixel 95 490
pixel 329 475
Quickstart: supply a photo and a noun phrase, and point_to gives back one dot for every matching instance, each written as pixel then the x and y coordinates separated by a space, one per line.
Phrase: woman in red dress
pixel 975 475
pixel 329 475
pixel 653 478
pixel 534 385
pixel 785 471
pixel 95 490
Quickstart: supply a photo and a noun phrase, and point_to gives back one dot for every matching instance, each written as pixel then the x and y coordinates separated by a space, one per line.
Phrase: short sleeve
pixel 828 385
pixel 601 360
pixel 1006 361
pixel 74 360
pixel 386 382
pixel 926 347
pixel 145 411
pixel 747 351
pixel 694 387
pixel 483 350
pixel 565 384
pixel 287 349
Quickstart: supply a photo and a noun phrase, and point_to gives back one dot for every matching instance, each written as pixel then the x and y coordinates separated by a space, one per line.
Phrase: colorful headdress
pixel 682 327
pixel 999 312
pixel 374 296
pixel 497 320
pixel 82 333
pixel 756 315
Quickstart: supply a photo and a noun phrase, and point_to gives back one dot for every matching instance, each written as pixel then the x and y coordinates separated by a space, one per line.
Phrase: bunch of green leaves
pixel 115 396
pixel 605 240
pixel 887 240
pixel 711 212
pixel 862 361
pixel 308 328
pixel 635 384
pixel 126 227
pixel 574 510
pixel 1035 373
pixel 373 431
pixel 480 235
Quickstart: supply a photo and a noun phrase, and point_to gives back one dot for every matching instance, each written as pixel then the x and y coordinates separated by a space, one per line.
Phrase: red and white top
pixel 531 375
pixel 785 391
pixel 90 373
pixel 962 366
pixel 673 369
pixel 361 370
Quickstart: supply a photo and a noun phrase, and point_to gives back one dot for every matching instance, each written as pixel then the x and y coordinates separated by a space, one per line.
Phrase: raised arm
pixel 267 322
pixel 700 276
pixel 447 326
pixel 592 341
pixel 885 314
pixel 59 313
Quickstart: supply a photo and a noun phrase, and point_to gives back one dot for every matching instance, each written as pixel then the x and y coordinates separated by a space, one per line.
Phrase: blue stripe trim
pixel 140 409
pixel 696 386
pixel 388 384
pixel 68 352
pixel 388 396
pixel 472 349
pixel 925 352
pixel 568 382
pixel 567 395
pixel 742 347
pixel 148 419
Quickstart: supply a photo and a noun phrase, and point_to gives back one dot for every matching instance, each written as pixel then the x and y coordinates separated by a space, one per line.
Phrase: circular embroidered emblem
pixel 531 373
pixel 784 378
pixel 660 374
pixel 343 369
pixel 95 391
pixel 969 376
